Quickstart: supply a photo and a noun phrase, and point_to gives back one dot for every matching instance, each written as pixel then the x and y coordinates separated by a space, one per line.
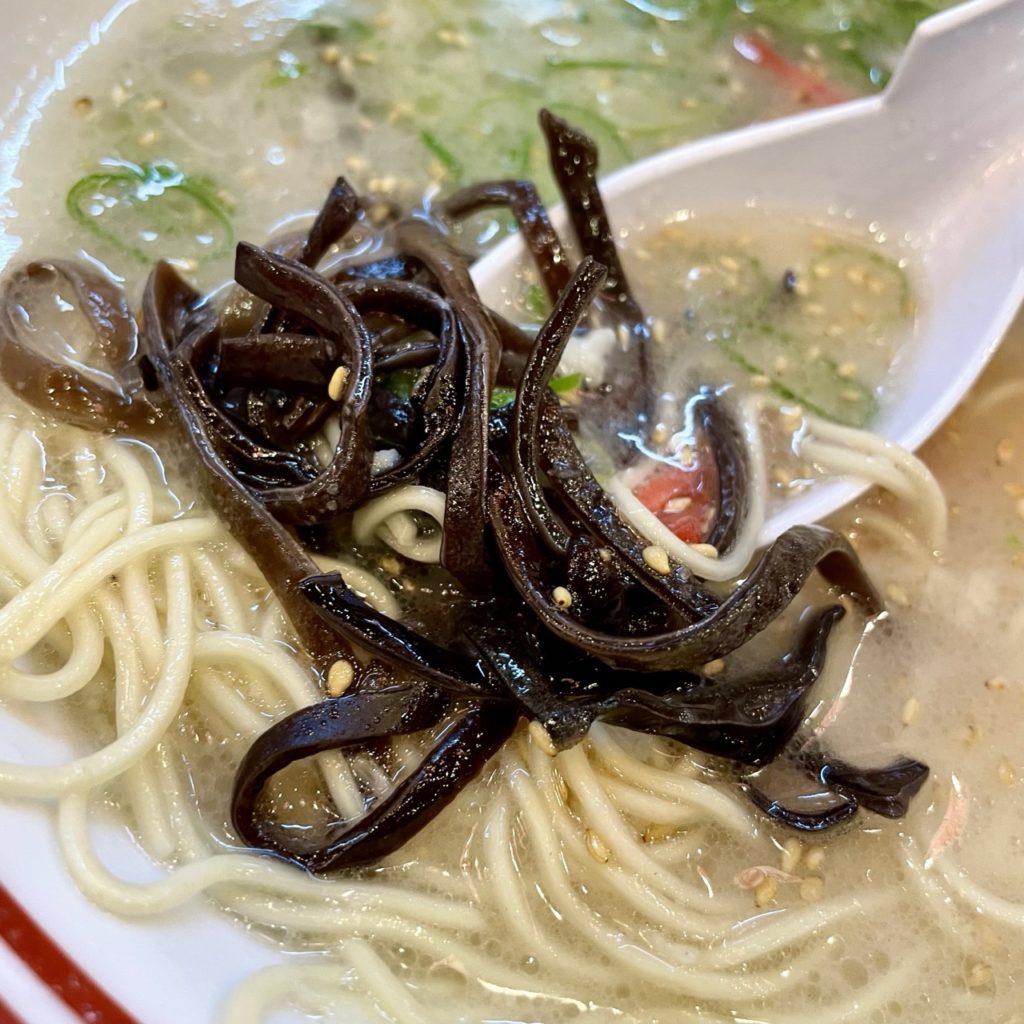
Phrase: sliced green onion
pixel 146 211
pixel 448 160
pixel 536 301
pixel 500 397
pixel 566 383
pixel 288 68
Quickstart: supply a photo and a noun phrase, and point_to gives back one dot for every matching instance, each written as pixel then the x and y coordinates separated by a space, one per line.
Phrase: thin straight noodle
pixel 512 905
pixel 636 803
pixel 36 526
pixel 165 700
pixel 823 440
pixel 224 599
pixel 894 533
pixel 370 521
pixel 144 794
pixel 723 809
pixel 605 937
pixel 297 687
pixel 389 993
pixel 82 658
pixel 24 471
pixel 678 848
pixel 134 578
pixel 272 986
pixel 53 511
pixel 22 622
pixel 363 582
pixel 93 512
pixel 629 886
pixel 218 691
pixel 262 877
pixel 731 563
pixel 617 835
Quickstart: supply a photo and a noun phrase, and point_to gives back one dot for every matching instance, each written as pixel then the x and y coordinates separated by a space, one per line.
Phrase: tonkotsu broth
pixel 941 678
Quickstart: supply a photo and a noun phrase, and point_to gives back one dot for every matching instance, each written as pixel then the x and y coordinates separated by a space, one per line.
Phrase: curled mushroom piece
pixel 104 393
pixel 366 388
pixel 349 723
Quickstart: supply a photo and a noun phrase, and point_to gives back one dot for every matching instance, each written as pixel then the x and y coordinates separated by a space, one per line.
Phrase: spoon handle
pixel 963 72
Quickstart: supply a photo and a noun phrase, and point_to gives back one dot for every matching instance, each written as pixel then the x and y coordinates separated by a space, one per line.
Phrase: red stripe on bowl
pixel 54 968
pixel 7 1015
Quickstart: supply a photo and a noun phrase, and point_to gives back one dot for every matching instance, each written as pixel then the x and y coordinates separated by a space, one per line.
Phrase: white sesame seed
pixel 605 554
pixel 450 38
pixel 706 550
pixel 911 709
pixel 660 433
pixel 729 263
pixel 561 597
pixel 542 738
pixel 200 78
pixel 336 387
pixel 678 504
pixel 657 833
pixel 154 104
pixel 330 54
pixel 657 558
pixel 148 138
pixel 712 668
pixel 760 380
pixel 847 370
pixel 391 565
pixel 814 858
pixel 855 275
pixel 822 270
pixel 1007 776
pixel 979 975
pixel 792 851
pixel 1004 452
pixel 897 595
pixel 997 684
pixel 812 889
pixel 814 309
pixel 765 892
pixel 340 677
pixel 83 105
pixel 597 848
pixel 1020 507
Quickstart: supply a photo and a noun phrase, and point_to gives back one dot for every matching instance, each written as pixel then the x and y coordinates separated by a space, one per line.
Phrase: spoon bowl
pixel 936 160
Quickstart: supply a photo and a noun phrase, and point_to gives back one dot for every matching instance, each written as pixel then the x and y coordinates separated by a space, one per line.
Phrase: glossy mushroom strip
pixel 522 198
pixel 107 397
pixel 335 388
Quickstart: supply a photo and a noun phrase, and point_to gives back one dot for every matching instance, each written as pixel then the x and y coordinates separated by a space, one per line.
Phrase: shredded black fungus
pixel 560 617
